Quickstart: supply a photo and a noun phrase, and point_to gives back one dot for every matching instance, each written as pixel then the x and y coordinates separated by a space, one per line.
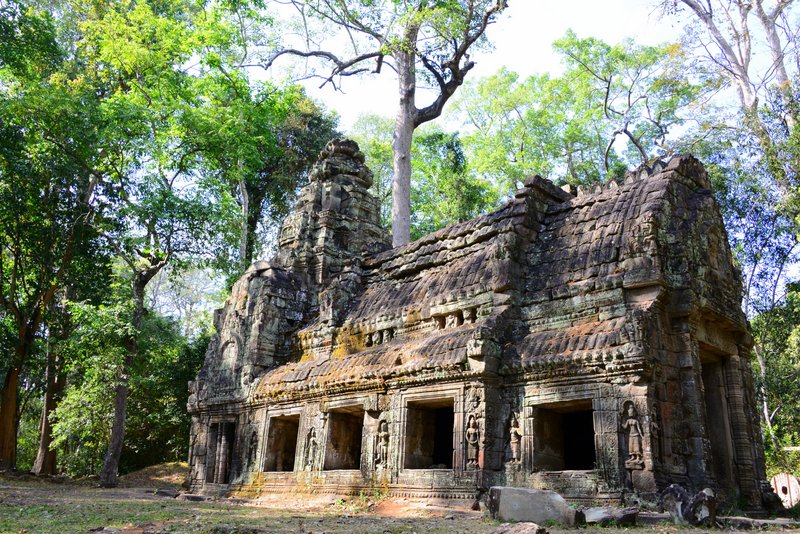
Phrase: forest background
pixel 149 149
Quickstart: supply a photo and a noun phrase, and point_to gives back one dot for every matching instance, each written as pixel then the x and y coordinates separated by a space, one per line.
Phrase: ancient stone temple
pixel 592 344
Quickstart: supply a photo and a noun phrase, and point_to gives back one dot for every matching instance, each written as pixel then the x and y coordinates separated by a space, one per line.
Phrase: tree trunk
pixel 401 148
pixel 108 476
pixel 45 463
pixel 244 261
pixel 765 412
pixel 8 419
pixel 769 23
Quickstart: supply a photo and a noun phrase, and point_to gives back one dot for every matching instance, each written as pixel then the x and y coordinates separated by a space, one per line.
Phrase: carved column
pixel 223 454
pixel 606 441
pixel 528 433
pixel 742 432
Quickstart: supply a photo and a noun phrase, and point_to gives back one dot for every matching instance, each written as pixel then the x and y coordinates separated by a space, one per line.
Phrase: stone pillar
pixel 742 432
pixel 607 442
pixel 223 453
pixel 211 452
pixel 697 446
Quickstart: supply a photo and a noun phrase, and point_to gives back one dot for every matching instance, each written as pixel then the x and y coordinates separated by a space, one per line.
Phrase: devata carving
pixel 311 450
pixel 382 449
pixel 473 436
pixel 515 438
pixel 623 357
pixel 633 432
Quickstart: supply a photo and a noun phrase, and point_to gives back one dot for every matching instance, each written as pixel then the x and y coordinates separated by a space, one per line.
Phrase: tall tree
pixel 730 42
pixel 47 190
pixel 421 40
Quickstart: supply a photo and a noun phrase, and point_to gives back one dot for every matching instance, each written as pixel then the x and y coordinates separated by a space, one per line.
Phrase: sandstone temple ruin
pixel 592 344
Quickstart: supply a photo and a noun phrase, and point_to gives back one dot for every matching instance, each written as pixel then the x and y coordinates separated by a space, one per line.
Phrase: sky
pixel 522 40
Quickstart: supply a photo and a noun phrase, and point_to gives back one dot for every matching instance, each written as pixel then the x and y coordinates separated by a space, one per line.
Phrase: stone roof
pixel 548 283
pixel 563 262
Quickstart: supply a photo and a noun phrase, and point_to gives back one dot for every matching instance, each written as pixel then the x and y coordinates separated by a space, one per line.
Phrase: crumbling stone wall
pixel 591 344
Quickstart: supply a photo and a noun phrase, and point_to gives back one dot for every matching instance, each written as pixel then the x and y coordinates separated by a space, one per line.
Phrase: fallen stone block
pixel 531 505
pixel 603 515
pixel 167 492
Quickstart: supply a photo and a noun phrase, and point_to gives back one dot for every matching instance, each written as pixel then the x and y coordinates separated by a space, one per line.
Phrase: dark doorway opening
pixel 345 432
pixel 219 452
pixel 429 435
pixel 282 443
pixel 564 437
pixel 579 450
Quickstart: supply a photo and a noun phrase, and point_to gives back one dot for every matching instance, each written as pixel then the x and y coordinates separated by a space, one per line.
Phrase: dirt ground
pixel 28 504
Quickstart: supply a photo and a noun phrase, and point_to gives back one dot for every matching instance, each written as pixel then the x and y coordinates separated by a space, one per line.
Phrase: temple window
pixel 282 443
pixel 564 437
pixel 345 432
pixel 429 435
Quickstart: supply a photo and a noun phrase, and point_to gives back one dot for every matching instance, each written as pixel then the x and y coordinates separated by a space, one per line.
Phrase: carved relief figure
pixel 655 432
pixel 515 437
pixel 382 450
pixel 311 449
pixel 473 443
pixel 469 315
pixel 253 447
pixel 634 432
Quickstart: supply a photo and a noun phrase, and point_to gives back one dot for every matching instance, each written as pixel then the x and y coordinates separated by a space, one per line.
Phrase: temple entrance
pixel 219 452
pixel 718 418
pixel 429 435
pixel 564 437
pixel 345 431
pixel 282 443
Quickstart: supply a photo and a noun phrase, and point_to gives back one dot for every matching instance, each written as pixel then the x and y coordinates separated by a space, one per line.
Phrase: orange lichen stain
pixel 305 348
pixel 413 317
pixel 348 342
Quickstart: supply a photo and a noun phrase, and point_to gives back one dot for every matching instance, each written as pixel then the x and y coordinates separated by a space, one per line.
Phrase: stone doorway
pixel 718 421
pixel 221 436
pixel 345 433
pixel 565 437
pixel 429 435
pixel 282 443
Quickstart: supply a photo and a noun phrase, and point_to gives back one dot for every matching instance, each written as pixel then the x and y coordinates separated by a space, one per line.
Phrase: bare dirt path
pixel 28 504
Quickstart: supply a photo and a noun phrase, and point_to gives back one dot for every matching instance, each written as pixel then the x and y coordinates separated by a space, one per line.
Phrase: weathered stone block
pixel 531 505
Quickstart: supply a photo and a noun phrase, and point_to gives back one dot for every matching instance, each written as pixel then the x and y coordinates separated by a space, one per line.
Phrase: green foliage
pixel 443 192
pixel 373 133
pixel 158 425
pixel 613 108
pixel 95 351
pixel 777 334
pixel 28 434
